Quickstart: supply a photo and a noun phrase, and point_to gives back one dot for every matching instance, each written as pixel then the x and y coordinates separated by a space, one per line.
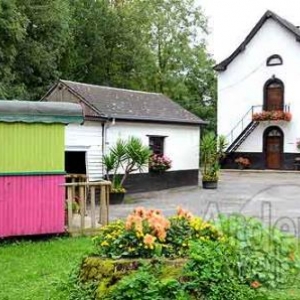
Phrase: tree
pixel 174 58
pixel 155 46
pixel 103 43
pixel 12 33
pixel 39 53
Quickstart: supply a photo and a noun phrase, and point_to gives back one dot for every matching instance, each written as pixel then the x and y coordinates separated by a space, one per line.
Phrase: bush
pixel 266 255
pixel 147 233
pixel 212 272
pixel 148 283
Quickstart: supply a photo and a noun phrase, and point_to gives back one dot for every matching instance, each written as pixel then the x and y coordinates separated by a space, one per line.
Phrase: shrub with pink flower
pixel 159 163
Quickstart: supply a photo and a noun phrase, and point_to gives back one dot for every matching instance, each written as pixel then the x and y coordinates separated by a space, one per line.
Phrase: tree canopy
pixel 155 46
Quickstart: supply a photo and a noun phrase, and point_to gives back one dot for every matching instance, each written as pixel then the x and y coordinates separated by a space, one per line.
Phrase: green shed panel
pixel 32 147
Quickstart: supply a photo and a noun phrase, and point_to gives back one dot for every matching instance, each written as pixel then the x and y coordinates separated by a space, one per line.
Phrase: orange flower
pixel 183 213
pixel 255 284
pixel 149 240
pixel 152 221
pixel 134 222
pixel 140 211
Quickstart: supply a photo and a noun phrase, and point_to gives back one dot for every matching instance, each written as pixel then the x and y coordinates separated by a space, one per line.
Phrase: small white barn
pixel 112 113
pixel 258 96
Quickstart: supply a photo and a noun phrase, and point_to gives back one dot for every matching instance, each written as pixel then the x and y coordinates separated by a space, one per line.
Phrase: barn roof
pixel 40 112
pixel 222 66
pixel 132 105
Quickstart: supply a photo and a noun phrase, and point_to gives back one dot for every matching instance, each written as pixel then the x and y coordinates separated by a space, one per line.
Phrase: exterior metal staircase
pixel 241 130
pixel 243 135
pixel 245 127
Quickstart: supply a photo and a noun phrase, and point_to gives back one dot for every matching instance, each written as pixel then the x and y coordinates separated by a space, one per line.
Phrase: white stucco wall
pixel 181 142
pixel 241 85
pixel 87 137
pixel 254 143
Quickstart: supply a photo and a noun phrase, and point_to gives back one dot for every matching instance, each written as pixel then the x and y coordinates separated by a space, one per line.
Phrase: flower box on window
pixel 275 115
pixel 159 163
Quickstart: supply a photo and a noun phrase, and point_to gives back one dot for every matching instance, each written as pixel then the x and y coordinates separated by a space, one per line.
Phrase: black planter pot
pixel 116 198
pixel 211 185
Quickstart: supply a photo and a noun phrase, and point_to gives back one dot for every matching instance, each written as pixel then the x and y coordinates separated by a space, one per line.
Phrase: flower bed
pixel 184 257
pixel 148 233
pixel 275 115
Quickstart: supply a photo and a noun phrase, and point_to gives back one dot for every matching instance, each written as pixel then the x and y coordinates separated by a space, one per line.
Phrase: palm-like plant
pixel 125 157
pixel 212 151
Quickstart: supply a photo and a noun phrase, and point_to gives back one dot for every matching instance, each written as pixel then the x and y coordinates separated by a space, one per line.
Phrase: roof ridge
pixel 222 66
pixel 108 87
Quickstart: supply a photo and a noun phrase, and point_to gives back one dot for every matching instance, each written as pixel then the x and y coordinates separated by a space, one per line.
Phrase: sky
pixel 230 21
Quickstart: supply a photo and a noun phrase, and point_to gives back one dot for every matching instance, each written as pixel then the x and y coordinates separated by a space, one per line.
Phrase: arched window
pixel 274 60
pixel 273 94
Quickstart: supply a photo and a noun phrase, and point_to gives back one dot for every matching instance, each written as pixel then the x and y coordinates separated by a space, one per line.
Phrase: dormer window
pixel 274 60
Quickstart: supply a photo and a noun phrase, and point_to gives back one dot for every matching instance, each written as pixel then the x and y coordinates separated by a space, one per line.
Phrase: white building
pixel 112 113
pixel 258 92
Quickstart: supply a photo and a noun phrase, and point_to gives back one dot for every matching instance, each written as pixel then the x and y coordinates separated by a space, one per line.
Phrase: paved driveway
pixel 271 196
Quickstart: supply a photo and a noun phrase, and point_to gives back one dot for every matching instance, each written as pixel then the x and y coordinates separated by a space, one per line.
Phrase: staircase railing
pixel 240 126
pixel 246 120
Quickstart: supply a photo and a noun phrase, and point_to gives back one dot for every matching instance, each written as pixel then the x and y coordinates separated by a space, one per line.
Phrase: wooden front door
pixel 273 149
pixel 274 97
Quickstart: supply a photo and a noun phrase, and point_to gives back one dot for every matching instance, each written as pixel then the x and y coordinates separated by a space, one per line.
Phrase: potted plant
pixel 211 151
pixel 124 158
pixel 159 163
pixel 243 162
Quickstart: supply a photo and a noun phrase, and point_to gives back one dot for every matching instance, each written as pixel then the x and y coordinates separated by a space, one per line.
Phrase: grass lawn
pixel 35 270
pixel 32 270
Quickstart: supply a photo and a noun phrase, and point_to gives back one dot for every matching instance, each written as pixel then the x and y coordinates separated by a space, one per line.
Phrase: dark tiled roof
pixel 132 105
pixel 268 14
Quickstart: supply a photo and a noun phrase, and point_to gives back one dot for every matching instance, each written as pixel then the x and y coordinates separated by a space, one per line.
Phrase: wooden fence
pixel 87 206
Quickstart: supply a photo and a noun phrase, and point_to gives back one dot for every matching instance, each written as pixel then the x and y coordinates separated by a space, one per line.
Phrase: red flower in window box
pixel 274 115
pixel 159 163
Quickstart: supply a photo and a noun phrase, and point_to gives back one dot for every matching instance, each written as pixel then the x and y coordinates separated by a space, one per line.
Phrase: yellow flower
pixel 104 243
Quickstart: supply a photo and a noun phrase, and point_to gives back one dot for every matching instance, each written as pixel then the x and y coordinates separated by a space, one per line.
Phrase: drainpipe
pixel 105 126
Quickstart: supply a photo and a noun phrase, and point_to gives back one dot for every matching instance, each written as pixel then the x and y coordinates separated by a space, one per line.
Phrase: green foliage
pixel 12 30
pixel 147 284
pixel 211 272
pixel 125 157
pixel 212 151
pixel 155 46
pixel 36 33
pixel 77 289
pixel 265 255
pixel 183 231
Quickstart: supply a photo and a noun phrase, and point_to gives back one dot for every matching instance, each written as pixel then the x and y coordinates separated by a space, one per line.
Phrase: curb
pixel 260 171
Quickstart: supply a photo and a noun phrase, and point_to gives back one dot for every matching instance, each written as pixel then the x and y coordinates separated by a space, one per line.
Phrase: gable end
pixel 269 14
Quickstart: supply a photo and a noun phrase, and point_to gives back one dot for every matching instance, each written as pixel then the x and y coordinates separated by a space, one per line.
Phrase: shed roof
pixel 42 112
pixel 222 66
pixel 131 105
